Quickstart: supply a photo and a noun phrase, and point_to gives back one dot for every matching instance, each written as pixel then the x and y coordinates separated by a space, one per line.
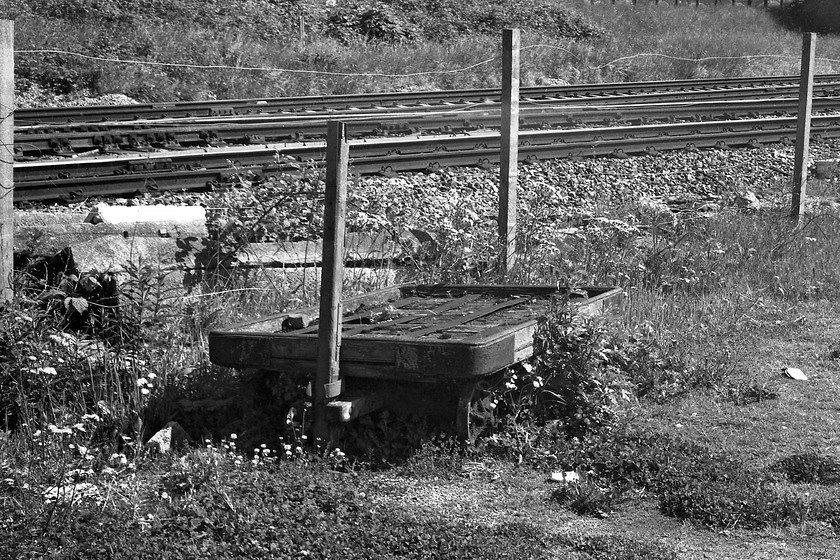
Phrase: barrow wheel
pixel 476 413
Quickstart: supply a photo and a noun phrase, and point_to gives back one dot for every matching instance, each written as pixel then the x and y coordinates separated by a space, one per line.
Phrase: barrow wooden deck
pixel 410 333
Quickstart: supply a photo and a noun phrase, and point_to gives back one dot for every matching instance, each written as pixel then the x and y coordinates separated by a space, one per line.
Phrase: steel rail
pixel 232 107
pixel 40 141
pixel 199 168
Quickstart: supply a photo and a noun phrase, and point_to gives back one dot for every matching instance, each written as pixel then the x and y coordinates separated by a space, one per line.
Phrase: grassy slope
pixel 261 35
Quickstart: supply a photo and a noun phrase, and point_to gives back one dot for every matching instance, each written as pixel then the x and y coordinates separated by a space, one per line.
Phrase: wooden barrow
pixel 416 348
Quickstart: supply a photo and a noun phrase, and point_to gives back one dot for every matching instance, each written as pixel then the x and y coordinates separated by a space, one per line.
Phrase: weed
pixel 588 498
pixel 617 547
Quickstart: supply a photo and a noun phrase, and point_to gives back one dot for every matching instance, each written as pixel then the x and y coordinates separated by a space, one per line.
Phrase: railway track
pixel 38 141
pixel 298 119
pixel 457 129
pixel 728 88
pixel 195 169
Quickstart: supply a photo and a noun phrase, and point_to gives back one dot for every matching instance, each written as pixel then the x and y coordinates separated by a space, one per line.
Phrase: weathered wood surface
pixel 413 333
pixel 7 102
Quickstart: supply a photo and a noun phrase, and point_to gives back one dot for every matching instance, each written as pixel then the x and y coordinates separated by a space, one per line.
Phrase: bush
pixel 376 23
pixel 820 16
pixel 810 468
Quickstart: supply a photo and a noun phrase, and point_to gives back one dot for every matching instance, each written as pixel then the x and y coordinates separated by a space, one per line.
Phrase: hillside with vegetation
pixel 257 48
pixel 671 431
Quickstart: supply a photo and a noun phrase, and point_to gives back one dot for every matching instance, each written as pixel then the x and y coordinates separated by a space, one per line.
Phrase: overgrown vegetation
pixel 89 371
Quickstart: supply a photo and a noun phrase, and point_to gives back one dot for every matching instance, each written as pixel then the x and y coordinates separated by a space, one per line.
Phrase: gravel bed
pixel 578 183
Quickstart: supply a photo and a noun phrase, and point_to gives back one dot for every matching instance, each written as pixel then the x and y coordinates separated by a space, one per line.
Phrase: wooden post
pixel 803 125
pixel 301 31
pixel 327 384
pixel 509 159
pixel 7 158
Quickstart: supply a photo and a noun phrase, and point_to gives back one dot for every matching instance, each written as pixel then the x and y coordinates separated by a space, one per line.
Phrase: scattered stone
pixel 71 493
pixel 168 438
pixel 748 202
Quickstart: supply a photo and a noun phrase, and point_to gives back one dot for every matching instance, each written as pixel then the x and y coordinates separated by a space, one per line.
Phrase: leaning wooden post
pixel 327 384
pixel 509 169
pixel 7 158
pixel 803 125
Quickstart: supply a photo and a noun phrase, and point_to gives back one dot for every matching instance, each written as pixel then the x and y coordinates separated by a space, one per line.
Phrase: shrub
pixel 809 467
pixel 376 23
pixel 820 16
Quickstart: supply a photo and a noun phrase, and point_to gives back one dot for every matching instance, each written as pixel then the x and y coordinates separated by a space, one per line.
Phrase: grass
pixel 447 46
pixel 686 412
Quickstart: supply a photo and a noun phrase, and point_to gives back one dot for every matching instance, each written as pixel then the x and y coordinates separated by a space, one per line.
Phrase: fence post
pixel 803 125
pixel 7 158
pixel 327 384
pixel 509 158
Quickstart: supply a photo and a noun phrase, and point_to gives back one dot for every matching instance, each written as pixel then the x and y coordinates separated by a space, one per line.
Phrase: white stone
pixel 167 438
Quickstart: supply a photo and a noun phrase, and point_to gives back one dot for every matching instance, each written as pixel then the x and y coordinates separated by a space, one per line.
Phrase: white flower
pixel 233 436
pixel 56 430
pixel 141 381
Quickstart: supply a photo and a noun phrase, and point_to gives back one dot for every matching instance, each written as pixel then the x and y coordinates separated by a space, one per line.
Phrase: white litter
pixel 795 373
pixel 568 477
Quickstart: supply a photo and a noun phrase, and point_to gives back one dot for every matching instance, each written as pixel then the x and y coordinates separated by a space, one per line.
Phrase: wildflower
pixel 56 430
pixel 233 436
pixel 141 381
pixel 145 391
